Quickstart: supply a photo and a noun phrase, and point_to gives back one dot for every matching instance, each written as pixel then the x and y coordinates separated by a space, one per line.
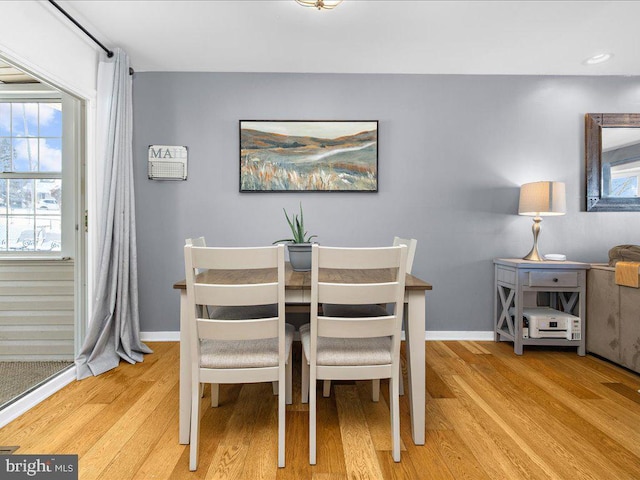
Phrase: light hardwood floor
pixel 548 414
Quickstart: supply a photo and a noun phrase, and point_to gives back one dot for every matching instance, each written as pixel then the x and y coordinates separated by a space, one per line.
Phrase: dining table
pixel 298 292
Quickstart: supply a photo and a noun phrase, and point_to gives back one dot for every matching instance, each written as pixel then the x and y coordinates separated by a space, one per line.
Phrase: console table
pixel 517 285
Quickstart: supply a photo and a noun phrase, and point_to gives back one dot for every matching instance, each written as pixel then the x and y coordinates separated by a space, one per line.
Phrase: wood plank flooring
pixel 548 414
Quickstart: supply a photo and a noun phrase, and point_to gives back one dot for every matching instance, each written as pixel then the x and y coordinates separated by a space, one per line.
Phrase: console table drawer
pixel 507 275
pixel 553 279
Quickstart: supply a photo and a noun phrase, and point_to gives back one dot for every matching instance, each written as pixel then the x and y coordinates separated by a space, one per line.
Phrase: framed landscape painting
pixel 308 156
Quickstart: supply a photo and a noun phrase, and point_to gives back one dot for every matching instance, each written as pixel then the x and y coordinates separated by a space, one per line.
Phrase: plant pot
pixel 300 256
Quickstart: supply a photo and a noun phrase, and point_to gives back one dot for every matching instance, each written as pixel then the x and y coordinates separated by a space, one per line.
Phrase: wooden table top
pixel 302 280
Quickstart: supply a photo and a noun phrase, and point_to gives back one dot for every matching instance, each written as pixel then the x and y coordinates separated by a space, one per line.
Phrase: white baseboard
pixel 160 336
pixel 30 400
pixel 460 335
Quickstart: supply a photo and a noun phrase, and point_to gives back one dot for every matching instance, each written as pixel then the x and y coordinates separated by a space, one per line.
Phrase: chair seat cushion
pixel 244 353
pixel 347 351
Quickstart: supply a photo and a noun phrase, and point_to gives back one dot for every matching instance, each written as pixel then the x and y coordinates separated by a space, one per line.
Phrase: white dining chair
pixel 354 338
pixel 201 242
pixel 215 389
pixel 245 338
pixel 411 244
pixel 196 242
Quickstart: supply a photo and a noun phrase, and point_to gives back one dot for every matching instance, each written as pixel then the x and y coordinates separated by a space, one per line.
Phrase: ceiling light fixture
pixel 599 58
pixel 320 4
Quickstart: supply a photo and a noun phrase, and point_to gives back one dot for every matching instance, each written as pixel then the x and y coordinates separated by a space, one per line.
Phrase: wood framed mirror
pixel 612 154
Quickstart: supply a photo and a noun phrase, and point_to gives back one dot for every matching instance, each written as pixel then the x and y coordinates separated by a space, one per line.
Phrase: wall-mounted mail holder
pixel 167 162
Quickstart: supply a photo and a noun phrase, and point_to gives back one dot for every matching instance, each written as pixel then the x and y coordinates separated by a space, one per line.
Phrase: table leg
pixel 415 343
pixel 582 312
pixel 518 347
pixel 185 371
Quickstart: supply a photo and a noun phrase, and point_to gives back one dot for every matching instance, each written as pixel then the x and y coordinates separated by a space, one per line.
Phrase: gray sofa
pixel 613 318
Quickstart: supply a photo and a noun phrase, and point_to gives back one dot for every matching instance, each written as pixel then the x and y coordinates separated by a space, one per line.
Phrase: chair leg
pixel 375 389
pixel 305 378
pixel 326 388
pixel 404 329
pixel 289 381
pixel 312 417
pixel 195 426
pixel 275 387
pixel 395 418
pixel 215 394
pixel 202 390
pixel 281 420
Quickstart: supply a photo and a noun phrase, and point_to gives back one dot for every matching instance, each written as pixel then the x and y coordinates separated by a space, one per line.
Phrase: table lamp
pixel 540 199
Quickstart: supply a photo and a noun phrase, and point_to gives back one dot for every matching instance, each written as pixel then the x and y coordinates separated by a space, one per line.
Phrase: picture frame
pixel 308 156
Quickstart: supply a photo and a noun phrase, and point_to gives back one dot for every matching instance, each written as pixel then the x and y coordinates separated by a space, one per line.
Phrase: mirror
pixel 612 153
pixel 620 162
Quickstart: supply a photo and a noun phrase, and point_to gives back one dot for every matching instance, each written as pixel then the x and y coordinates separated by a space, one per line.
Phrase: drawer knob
pixel 555 280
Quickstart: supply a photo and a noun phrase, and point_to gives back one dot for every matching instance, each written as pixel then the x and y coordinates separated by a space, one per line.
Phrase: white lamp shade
pixel 540 199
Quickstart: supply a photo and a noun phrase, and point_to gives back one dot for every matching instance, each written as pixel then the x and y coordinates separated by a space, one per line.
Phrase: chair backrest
pixel 235 277
pixel 343 283
pixel 196 242
pixel 411 244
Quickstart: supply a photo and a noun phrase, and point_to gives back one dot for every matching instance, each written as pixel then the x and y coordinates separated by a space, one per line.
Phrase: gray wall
pixel 453 151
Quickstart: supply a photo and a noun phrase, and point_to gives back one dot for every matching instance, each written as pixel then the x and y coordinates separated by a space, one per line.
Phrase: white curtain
pixel 114 330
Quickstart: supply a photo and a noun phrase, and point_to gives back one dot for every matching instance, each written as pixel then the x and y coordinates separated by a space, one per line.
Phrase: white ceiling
pixel 369 36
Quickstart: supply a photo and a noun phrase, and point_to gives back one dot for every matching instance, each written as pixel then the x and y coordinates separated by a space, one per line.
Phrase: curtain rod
pixel 86 32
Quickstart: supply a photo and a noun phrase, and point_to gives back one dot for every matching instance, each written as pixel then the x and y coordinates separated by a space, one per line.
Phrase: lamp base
pixel 534 255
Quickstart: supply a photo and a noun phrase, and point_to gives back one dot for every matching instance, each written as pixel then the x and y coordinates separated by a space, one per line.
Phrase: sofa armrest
pixel 603 266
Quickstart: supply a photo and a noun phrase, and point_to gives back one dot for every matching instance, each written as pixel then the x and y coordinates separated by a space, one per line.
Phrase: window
pixel 624 178
pixel 31 177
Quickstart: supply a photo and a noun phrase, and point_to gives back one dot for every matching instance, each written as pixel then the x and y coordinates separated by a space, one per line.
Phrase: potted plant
pixel 300 244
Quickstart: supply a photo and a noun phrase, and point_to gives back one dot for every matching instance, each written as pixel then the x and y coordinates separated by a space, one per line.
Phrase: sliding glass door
pixel 41 233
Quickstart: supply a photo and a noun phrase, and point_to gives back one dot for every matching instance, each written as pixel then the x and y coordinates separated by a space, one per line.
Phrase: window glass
pixel 5 119
pixel 5 154
pixel 3 198
pixel 25 155
pixel 24 119
pixel 624 187
pixel 21 233
pixel 20 196
pixel 48 196
pixel 3 237
pixel 50 240
pixel 50 120
pixel 31 150
pixel 50 154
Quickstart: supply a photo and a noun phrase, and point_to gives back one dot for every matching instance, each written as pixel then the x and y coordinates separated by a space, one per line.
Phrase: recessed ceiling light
pixel 599 58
